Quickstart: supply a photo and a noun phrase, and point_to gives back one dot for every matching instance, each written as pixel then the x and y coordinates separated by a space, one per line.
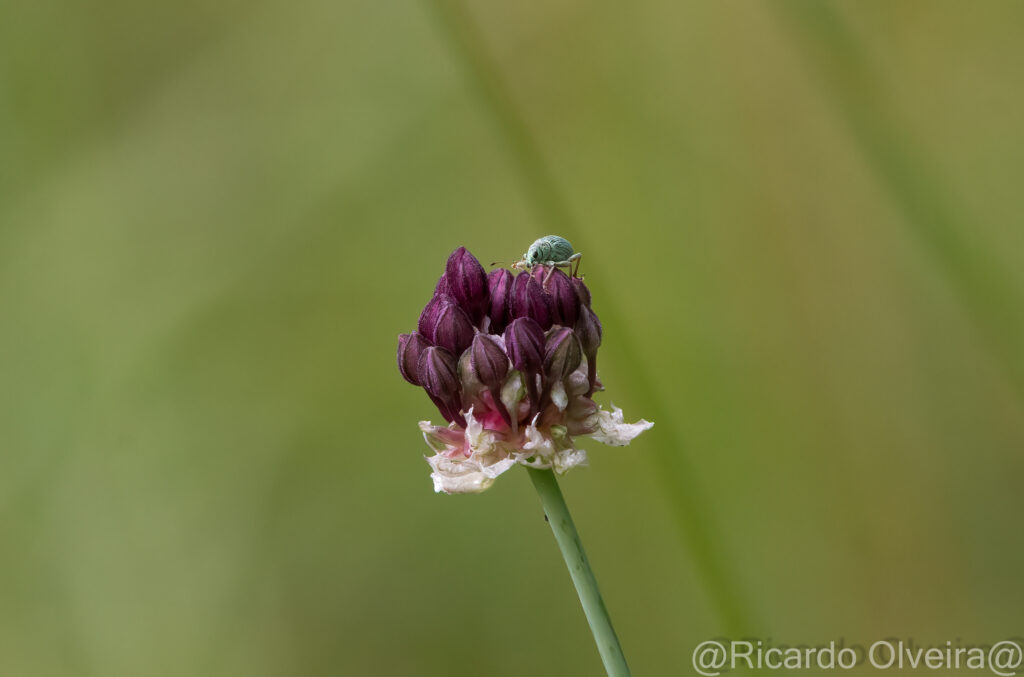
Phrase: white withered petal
pixel 613 431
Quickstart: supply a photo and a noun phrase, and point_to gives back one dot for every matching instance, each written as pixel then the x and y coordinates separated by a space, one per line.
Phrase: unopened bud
pixel 588 330
pixel 499 282
pixel 410 347
pixel 488 361
pixel 524 341
pixel 428 316
pixel 468 283
pixel 582 290
pixel 565 301
pixel 562 353
pixel 453 330
pixel 442 288
pixel 437 370
pixel 529 300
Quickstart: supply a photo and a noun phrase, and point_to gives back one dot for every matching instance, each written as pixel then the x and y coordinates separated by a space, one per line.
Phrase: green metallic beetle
pixel 550 250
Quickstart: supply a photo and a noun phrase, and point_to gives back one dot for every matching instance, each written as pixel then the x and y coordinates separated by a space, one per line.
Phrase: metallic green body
pixel 550 250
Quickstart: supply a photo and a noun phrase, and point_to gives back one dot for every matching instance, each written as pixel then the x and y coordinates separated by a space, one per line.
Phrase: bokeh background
pixel 802 223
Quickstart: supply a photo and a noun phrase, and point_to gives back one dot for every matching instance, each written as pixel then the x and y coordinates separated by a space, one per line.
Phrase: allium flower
pixel 511 364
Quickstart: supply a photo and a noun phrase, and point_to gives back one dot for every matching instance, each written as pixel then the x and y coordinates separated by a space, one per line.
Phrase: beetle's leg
pixel 576 257
pixel 560 264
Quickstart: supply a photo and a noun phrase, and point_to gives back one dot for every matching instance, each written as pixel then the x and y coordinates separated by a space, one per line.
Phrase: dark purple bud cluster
pixel 477 328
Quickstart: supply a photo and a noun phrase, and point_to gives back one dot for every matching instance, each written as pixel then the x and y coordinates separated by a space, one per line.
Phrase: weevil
pixel 550 250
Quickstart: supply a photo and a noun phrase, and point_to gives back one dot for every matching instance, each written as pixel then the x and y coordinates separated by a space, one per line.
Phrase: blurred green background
pixel 802 223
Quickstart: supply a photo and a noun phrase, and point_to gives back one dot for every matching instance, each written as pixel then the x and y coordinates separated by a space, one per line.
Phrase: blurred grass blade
pixel 928 205
pixel 692 511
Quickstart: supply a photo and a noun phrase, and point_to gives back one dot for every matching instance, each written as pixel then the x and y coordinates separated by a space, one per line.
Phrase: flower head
pixel 510 361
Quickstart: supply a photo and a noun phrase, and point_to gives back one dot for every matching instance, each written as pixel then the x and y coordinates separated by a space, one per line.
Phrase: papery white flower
pixel 540 445
pixel 465 464
pixel 613 431
pixel 464 476
pixel 468 460
pixel 565 460
pixel 479 440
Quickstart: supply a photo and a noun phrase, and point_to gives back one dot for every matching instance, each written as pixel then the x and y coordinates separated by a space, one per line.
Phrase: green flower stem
pixel 557 514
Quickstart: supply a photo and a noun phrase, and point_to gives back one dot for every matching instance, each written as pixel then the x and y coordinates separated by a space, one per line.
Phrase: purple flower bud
pixel 428 316
pixel 410 346
pixel 565 301
pixel 524 340
pixel 442 288
pixel 529 300
pixel 524 343
pixel 468 283
pixel 588 330
pixel 500 284
pixel 582 290
pixel 438 371
pixel 453 329
pixel 488 361
pixel 562 353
